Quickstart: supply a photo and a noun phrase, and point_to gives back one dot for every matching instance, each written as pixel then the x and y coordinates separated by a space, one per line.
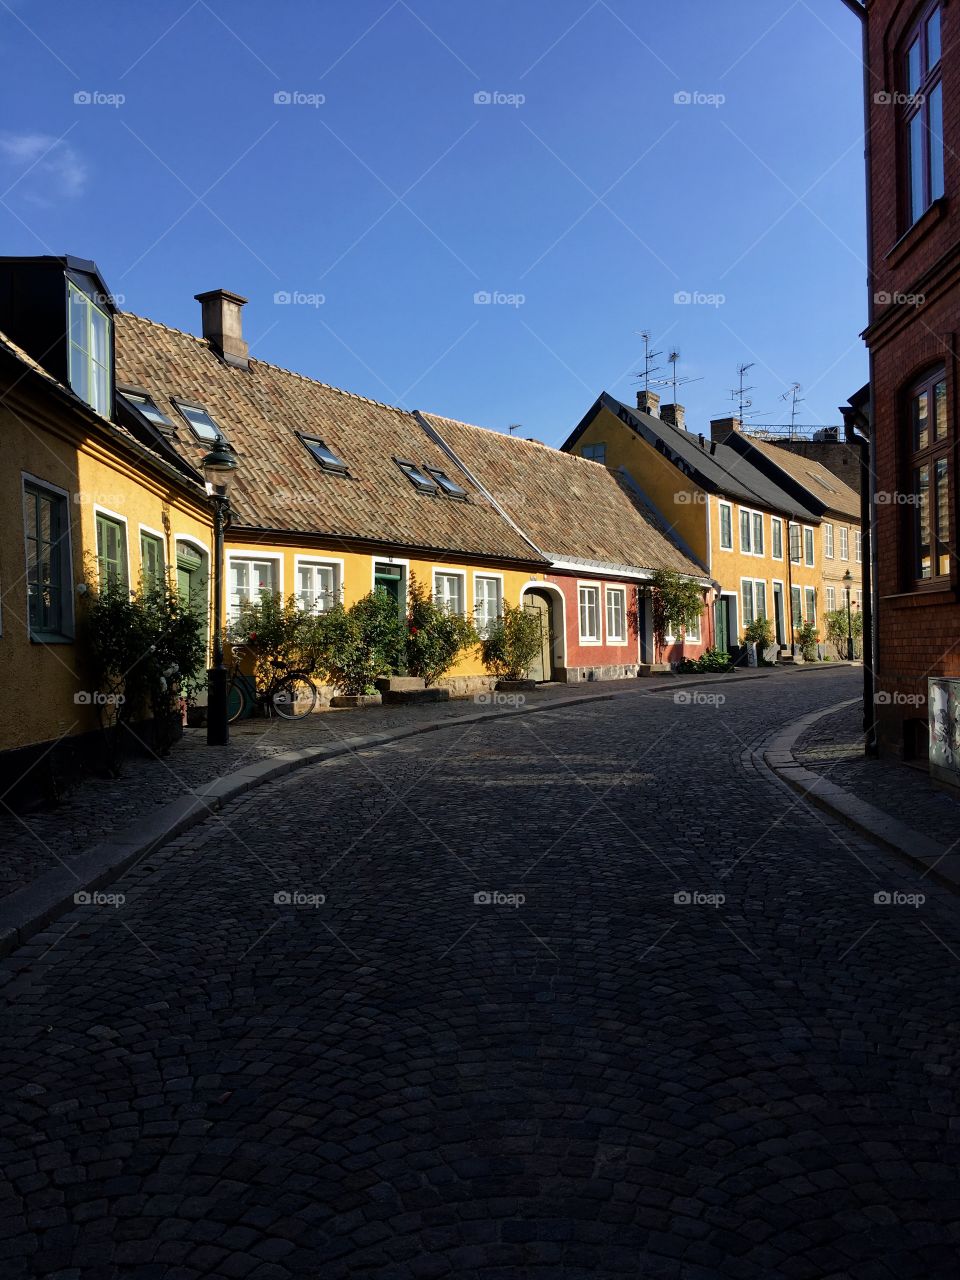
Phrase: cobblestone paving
pixel 834 747
pixel 402 1082
pixel 33 842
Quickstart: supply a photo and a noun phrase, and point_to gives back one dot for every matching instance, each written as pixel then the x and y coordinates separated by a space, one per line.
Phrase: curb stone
pixel 32 908
pixel 866 819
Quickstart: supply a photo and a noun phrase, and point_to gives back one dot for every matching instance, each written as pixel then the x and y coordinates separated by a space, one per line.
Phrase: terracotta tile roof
pixel 572 508
pixel 823 484
pixel 279 485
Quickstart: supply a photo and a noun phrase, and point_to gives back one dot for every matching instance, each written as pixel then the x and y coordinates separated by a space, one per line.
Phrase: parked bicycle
pixel 288 693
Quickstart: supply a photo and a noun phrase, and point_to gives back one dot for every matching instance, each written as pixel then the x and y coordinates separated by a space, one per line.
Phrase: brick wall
pixel 918 633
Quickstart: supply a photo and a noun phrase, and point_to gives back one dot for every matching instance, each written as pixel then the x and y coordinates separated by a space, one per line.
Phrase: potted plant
pixel 807 640
pixel 758 636
pixel 512 642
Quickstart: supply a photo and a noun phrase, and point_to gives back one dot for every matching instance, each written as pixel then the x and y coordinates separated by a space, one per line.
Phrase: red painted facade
pixel 914 318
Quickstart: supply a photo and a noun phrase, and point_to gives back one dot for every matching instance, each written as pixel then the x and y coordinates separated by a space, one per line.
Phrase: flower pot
pixel 356 700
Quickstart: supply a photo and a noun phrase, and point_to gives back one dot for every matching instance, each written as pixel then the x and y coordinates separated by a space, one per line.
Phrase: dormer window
pixel 417 478
pixel 147 406
pixel 449 487
pixel 90 341
pixel 324 455
pixel 201 424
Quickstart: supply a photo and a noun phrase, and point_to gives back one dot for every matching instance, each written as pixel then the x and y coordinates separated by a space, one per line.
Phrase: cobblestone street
pixel 580 994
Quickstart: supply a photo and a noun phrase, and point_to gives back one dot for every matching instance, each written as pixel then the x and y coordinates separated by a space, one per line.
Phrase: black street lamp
pixel 218 468
pixel 847 581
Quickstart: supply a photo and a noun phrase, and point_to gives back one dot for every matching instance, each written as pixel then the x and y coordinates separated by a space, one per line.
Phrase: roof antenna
pixel 673 380
pixel 795 398
pixel 740 393
pixel 648 359
pixel 515 426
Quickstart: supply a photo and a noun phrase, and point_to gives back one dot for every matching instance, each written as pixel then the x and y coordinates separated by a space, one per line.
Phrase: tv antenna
pixel 673 380
pixel 515 426
pixel 741 393
pixel 795 398
pixel 648 358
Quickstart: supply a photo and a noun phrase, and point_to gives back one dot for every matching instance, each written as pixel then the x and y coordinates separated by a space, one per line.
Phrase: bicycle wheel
pixel 235 702
pixel 294 697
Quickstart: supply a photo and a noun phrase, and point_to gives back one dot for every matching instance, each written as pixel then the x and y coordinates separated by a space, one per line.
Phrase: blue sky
pixel 577 193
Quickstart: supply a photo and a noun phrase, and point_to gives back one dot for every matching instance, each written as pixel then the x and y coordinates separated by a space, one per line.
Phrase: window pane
pixel 933 39
pixel 795 605
pixel 915 162
pixel 921 489
pixel 777 534
pixel 913 67
pixel 748 614
pixel 936 142
pixel 758 534
pixel 744 530
pixel 760 599
pixel 943 516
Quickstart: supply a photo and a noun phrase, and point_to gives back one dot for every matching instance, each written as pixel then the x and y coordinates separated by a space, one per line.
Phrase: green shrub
pixel 435 637
pixel 806 639
pixel 677 604
pixel 354 646
pixel 759 632
pixel 278 633
pixel 143 649
pixel 714 660
pixel 836 627
pixel 511 643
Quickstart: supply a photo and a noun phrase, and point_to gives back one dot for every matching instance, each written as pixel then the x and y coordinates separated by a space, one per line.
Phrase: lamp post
pixel 218 468
pixel 847 581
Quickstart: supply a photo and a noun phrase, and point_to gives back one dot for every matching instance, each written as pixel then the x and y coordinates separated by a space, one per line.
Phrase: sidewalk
pixel 897 804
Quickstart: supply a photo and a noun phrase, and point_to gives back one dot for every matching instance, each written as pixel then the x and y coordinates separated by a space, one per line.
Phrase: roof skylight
pixel 449 487
pixel 416 477
pixel 201 424
pixel 147 406
pixel 324 455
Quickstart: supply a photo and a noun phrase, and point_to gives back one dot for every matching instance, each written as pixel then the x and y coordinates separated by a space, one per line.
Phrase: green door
pixel 389 578
pixel 722 626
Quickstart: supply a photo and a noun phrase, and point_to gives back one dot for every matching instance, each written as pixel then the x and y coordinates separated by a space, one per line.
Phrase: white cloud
pixel 43 167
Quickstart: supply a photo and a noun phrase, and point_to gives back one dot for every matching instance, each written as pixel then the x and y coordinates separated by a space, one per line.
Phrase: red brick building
pixel 912 90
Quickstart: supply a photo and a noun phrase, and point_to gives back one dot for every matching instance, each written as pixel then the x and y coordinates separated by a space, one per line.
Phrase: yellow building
pixel 759 542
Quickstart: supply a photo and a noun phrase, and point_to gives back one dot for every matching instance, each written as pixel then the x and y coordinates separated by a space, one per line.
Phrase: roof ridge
pixel 504 435
pixel 268 364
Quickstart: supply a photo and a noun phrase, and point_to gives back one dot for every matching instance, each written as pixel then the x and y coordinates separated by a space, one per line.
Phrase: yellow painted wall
pixel 42 679
pixel 833 570
pixel 681 502
pixel 357 574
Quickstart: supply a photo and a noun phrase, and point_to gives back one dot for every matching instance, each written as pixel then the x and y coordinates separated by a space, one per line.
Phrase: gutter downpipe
pixel 867 448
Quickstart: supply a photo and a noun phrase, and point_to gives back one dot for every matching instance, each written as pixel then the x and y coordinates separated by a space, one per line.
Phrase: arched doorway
pixel 541 602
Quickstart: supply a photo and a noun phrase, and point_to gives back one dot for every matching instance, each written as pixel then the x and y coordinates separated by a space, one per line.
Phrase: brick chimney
pixel 223 326
pixel 649 402
pixel 675 414
pixel 721 428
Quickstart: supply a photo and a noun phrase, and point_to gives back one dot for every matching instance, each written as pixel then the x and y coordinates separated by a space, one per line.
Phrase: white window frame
pixel 319 562
pixel 828 541
pixel 67 632
pixel 776 523
pixel 807 593
pixel 808 529
pixel 860 598
pixel 831 594
pixel 753 583
pixel 231 612
pixel 86 354
pixel 858 546
pixel 844 542
pixel 404 577
pixel 752 516
pixel 694 634
pixel 461 576
pixel 791 525
pixel 482 626
pixel 622 593
pixel 121 520
pixel 594 587
pixel 726 506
